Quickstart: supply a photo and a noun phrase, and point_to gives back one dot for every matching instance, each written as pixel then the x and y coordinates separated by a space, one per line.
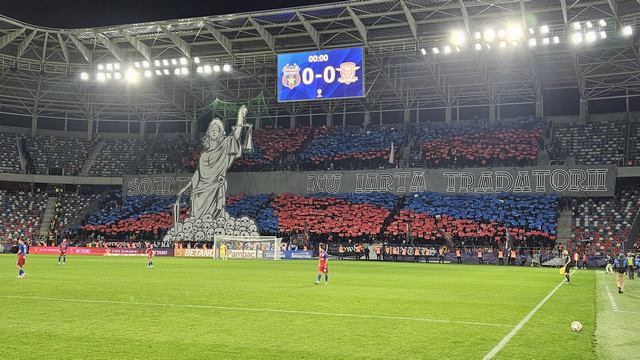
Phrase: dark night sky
pixel 96 13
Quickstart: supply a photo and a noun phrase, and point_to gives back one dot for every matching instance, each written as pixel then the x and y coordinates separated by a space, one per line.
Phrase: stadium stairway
pixel 564 227
pixel 23 157
pixel 88 163
pixel 49 211
pixel 633 233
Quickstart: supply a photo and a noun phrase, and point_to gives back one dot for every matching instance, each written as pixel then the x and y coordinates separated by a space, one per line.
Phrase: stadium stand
pixel 633 151
pixel 21 213
pixel 352 148
pixel 478 220
pixel 54 154
pixel 10 161
pixel 590 143
pixel 69 208
pixel 117 156
pixel 601 226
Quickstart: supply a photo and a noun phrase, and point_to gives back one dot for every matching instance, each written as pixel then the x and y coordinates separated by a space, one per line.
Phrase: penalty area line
pixel 246 309
pixel 522 322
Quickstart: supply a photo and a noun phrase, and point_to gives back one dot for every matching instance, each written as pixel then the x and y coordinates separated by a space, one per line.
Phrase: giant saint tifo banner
pixel 576 180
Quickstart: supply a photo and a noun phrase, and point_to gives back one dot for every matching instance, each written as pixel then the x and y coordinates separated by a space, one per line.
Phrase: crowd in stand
pixel 591 143
pixel 633 155
pixel 117 156
pixel 58 155
pixel 10 160
pixel 21 214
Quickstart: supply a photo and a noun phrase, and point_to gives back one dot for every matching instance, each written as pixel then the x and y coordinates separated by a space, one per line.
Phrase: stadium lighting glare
pixel 196 60
pixel 184 71
pixel 156 63
pixel 627 30
pixel 116 76
pixel 100 67
pixel 458 38
pixel 477 35
pixel 602 23
pixel 131 75
pixel 503 44
pixel 183 61
pixel 84 76
pixel 174 62
pixel 532 42
pixel 165 62
pixel 207 69
pixel 544 29
pixel 158 72
pixel 590 36
pixel 515 32
pixel 489 35
pixel 603 34
pixel 176 71
pixel 423 51
pixel 147 73
pixel 489 46
pixel 226 67
pixel 109 67
pixel 447 49
pixel 116 66
pixel 545 41
pixel 216 68
pixel 136 64
pixel 100 76
pixel 478 46
pixel 502 33
pixel 576 26
pixel 588 24
pixel 199 69
pixel 145 64
pixel 576 38
pixel 165 71
pixel 531 31
pixel 556 40
pixel 457 48
pixel 108 76
pixel 435 50
pixel 515 43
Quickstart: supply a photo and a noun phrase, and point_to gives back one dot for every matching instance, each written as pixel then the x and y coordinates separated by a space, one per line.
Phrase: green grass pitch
pixel 186 308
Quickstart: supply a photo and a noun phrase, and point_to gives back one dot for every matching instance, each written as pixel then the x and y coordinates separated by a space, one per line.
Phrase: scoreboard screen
pixel 320 75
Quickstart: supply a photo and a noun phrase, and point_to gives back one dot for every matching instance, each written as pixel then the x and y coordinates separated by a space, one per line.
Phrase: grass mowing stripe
pixel 522 322
pixel 614 306
pixel 297 312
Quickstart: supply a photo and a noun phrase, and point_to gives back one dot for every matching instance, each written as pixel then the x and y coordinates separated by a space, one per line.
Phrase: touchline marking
pixel 614 306
pixel 519 326
pixel 298 312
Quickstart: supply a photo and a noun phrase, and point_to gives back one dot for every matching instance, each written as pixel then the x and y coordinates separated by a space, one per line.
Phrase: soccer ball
pixel 576 326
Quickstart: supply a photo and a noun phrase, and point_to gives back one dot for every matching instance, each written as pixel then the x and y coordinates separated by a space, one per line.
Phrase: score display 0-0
pixel 320 75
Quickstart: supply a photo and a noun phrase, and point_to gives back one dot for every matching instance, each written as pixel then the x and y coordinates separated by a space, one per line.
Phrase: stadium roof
pixel 40 67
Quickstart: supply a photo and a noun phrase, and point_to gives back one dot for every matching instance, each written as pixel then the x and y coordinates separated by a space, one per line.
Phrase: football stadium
pixel 371 179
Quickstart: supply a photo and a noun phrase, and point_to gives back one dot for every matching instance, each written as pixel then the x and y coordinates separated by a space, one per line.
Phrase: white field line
pixel 614 306
pixel 522 322
pixel 246 309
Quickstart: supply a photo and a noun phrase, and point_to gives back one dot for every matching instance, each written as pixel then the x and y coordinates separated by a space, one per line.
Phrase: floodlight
pixel 489 35
pixel 576 38
pixel 147 73
pixel 477 35
pixel 489 46
pixel 556 40
pixel 108 76
pixel 199 69
pixel 184 71
pixel 544 29
pixel 216 68
pixel 627 30
pixel 478 46
pixel 176 71
pixel 84 76
pixel 515 43
pixel 545 41
pixel 131 75
pixel 576 26
pixel 100 76
pixel 116 76
pixel 503 44
pixel 588 24
pixel 423 51
pixel 116 66
pixel 531 31
pixel 183 61
pixel 145 64
pixel 109 67
pixel 226 67
pixel 156 63
pixel 174 62
pixel 457 48
pixel 447 49
pixel 196 60
pixel 602 23
pixel 158 72
pixel 136 64
pixel 165 62
pixel 533 42
pixel 458 38
pixel 502 33
pixel 590 36
pixel 435 50
pixel 603 34
pixel 515 32
pixel 100 67
pixel 165 71
pixel 207 69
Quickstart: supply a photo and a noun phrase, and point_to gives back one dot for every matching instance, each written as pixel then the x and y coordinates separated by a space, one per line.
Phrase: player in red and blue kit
pixel 22 254
pixel 63 252
pixel 149 256
pixel 323 266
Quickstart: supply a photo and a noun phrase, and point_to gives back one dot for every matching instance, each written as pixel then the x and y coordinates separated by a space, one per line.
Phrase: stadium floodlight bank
pixel 247 247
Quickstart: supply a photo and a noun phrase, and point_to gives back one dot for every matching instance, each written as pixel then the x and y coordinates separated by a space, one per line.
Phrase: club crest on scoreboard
pixel 347 73
pixel 291 76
